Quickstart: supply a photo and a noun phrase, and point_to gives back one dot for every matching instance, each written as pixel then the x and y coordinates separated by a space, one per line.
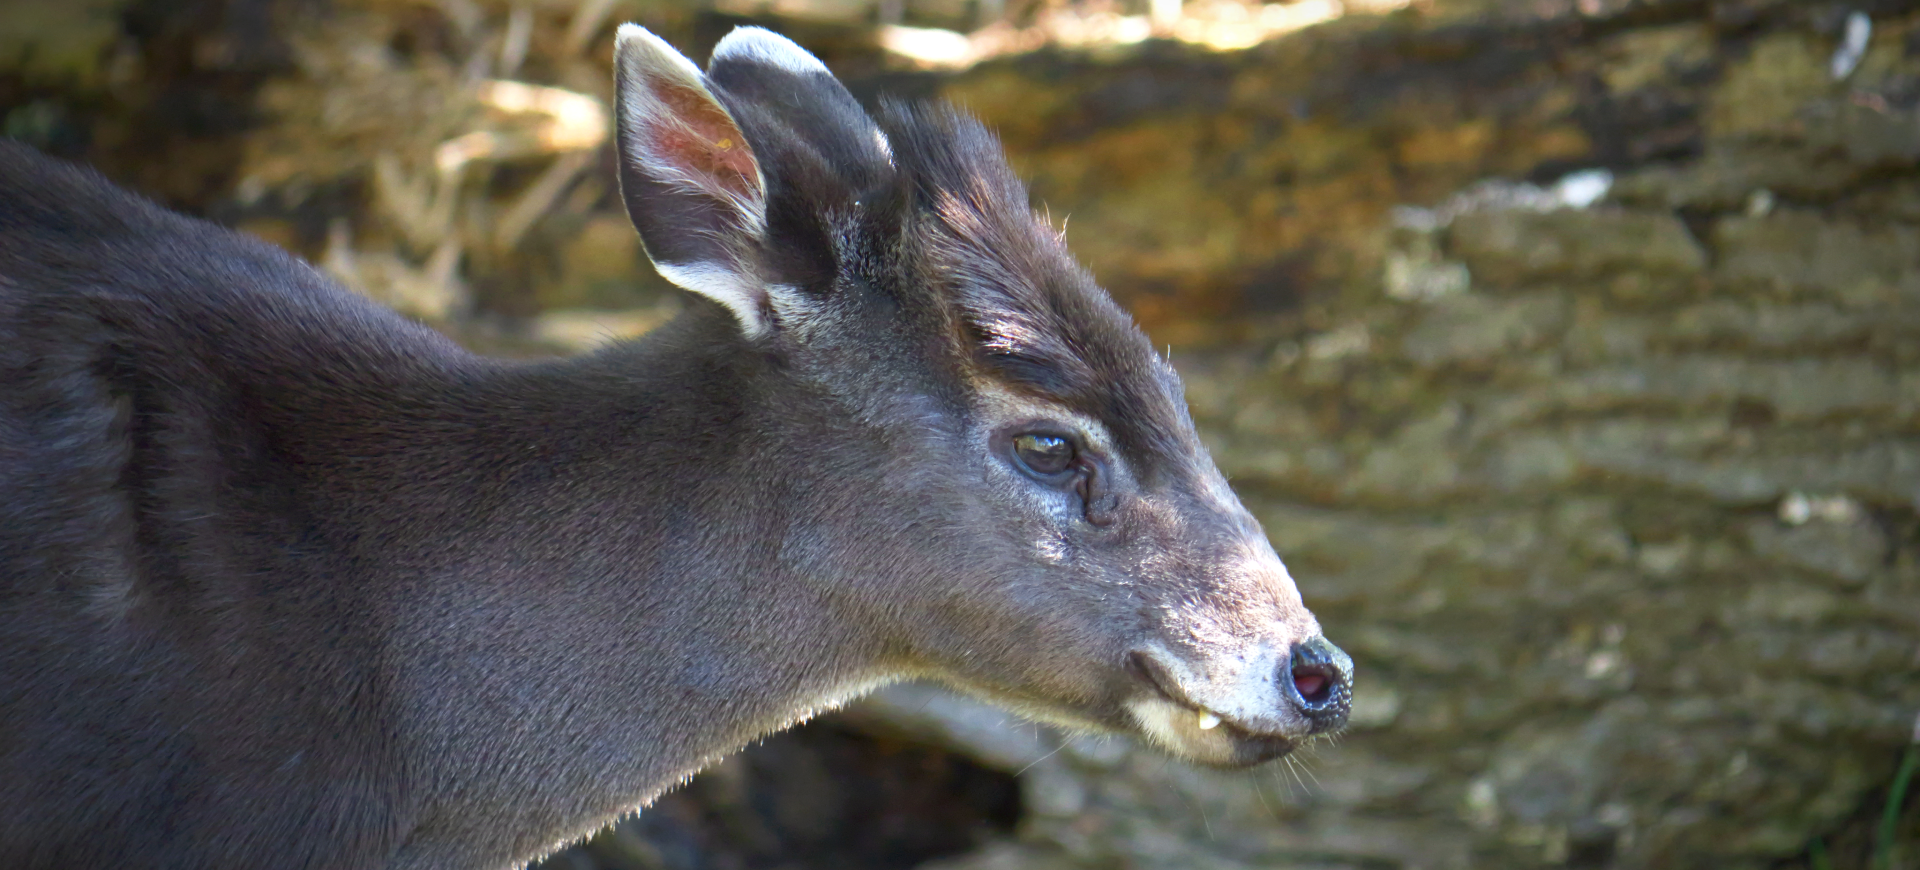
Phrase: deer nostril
pixel 1321 677
pixel 1312 683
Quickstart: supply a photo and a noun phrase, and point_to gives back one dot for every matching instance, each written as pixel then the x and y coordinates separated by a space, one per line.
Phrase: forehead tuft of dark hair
pixel 1035 319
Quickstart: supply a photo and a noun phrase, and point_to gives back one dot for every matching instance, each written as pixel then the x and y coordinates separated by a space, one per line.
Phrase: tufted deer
pixel 289 581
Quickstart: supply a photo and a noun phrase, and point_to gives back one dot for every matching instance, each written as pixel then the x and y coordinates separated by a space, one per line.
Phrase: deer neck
pixel 602 569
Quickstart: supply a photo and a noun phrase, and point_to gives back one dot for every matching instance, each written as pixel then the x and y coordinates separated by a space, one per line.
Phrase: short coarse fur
pixel 1033 316
pixel 288 580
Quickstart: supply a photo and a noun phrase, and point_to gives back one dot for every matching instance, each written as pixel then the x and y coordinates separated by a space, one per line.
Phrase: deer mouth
pixel 1195 731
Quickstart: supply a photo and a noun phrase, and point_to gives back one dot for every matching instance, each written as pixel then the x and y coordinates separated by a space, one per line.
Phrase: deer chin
pixel 1176 726
pixel 1203 736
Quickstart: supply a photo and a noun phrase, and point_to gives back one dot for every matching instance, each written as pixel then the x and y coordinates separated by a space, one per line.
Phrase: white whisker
pixel 1056 751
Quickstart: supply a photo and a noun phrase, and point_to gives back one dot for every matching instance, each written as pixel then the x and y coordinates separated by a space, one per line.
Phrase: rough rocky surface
pixel 1614 500
pixel 1614 506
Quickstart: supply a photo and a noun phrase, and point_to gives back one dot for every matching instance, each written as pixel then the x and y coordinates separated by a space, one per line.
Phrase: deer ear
pixel 690 180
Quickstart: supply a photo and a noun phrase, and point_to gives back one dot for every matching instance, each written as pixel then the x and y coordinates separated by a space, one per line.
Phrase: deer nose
pixel 1319 680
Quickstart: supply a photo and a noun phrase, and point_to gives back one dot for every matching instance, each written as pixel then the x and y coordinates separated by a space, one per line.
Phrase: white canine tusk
pixel 1208 721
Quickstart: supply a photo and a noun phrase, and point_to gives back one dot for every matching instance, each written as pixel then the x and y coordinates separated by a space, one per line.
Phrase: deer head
pixel 1012 498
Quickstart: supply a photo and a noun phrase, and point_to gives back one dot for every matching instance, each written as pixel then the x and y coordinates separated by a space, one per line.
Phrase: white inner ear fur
pixel 727 286
pixel 762 46
pixel 642 56
pixel 640 59
pixel 635 44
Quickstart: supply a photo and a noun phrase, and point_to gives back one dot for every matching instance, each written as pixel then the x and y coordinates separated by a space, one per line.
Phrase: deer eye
pixel 1043 456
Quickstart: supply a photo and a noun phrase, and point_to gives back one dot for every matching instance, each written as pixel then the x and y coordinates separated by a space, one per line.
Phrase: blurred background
pixel 1569 351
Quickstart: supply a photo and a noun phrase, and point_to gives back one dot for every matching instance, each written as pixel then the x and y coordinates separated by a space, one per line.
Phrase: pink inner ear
pixel 705 143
